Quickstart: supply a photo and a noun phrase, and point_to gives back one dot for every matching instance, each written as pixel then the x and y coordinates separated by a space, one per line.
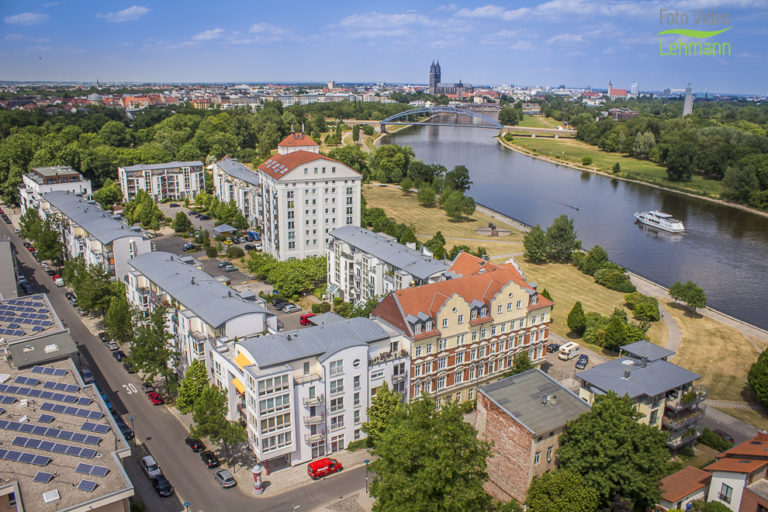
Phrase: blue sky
pixel 533 42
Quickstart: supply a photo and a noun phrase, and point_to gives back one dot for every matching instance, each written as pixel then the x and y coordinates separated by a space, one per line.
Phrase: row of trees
pixel 43 233
pixel 595 263
pixel 226 213
pixel 143 210
pixel 609 332
pixel 92 285
pixel 557 244
pixel 690 293
pixel 291 278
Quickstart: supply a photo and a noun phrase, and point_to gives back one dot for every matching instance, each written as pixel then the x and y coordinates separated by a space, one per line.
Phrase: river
pixel 724 250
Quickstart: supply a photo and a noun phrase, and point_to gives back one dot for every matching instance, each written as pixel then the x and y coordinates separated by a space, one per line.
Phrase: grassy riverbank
pixel 538 122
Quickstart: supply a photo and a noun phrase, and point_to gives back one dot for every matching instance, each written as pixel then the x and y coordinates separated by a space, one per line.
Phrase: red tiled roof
pixel 757 447
pixel 736 465
pixel 683 483
pixel 280 165
pixel 297 139
pixel 617 92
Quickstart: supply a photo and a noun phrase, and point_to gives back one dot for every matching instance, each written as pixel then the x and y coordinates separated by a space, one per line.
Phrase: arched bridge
pixel 463 117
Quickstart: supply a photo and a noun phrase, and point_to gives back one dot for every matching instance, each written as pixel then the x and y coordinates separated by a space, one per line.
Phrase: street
pixel 159 432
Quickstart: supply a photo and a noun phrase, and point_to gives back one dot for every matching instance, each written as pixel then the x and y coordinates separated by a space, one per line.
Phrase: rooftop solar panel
pixel 94 440
pixel 74 451
pixel 41 460
pixel 59 448
pixel 45 418
pixel 84 468
pixel 34 443
pixel 27 458
pixel 42 478
pixel 39 430
pixel 84 401
pixel 87 486
pixel 13 455
pixel 88 453
pixel 78 437
pixel 7 399
pixel 100 471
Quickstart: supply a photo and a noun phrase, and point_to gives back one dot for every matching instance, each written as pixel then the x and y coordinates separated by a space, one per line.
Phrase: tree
pixel 681 161
pixel 381 413
pixel 561 491
pixel 430 460
pixel 522 364
pixel 457 205
pixel 643 144
pixel 695 296
pixel 151 352
pixel 406 185
pixel 758 377
pixel 594 260
pixel 30 224
pixel 561 239
pixel 614 453
pixel 457 179
pixel 193 384
pixel 509 116
pixel 739 183
pixel 677 291
pixel 616 168
pixel 109 194
pixel 118 322
pixel 615 333
pixel 536 245
pixel 49 246
pixel 576 321
pixel 708 506
pixel 209 415
pixel 181 223
pixel 545 293
pixel 426 195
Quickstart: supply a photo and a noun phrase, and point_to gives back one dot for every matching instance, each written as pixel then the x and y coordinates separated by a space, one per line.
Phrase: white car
pixel 59 282
pixel 111 345
pixel 151 467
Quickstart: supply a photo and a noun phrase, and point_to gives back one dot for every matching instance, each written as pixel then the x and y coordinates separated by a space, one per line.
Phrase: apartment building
pixel 523 416
pixel 199 307
pixel 41 180
pixel 98 236
pixel 305 196
pixel 232 181
pixel 663 392
pixel 363 264
pixel 304 394
pixel 468 330
pixel 171 180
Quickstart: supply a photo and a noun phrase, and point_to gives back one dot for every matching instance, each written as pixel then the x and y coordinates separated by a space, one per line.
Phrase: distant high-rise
pixel 688 103
pixel 634 90
pixel 437 87
pixel 434 77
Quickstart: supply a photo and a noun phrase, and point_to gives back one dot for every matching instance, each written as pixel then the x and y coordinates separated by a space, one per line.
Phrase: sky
pixel 577 43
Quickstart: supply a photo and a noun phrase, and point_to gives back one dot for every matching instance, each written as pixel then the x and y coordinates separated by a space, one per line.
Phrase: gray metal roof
pixel 214 302
pixel 8 288
pixel 321 340
pixel 412 261
pixel 30 351
pixel 224 228
pixel 524 397
pixel 167 165
pixel 91 217
pixel 56 170
pixel 326 318
pixel 645 348
pixel 653 379
pixel 237 170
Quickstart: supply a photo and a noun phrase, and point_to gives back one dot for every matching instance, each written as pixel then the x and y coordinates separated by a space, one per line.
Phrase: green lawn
pixel 538 122
pixel 572 150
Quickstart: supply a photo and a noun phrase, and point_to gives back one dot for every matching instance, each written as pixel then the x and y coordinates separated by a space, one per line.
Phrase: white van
pixel 569 351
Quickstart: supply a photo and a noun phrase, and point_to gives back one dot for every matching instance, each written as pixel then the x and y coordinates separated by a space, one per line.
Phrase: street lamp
pixel 366 475
pixel 131 418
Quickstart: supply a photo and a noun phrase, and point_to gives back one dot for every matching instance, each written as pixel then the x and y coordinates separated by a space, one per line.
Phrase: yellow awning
pixel 242 360
pixel 238 385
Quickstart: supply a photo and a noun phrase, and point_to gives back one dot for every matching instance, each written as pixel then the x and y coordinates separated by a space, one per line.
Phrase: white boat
pixel 660 220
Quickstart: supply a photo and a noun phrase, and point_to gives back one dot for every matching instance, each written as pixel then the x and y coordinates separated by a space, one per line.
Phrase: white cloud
pixel 521 45
pixel 566 38
pixel 51 4
pixel 22 37
pixel 493 11
pixel 131 13
pixel 372 34
pixel 26 18
pixel 377 19
pixel 209 35
pixel 264 32
pixel 448 7
pixel 447 43
pixel 265 28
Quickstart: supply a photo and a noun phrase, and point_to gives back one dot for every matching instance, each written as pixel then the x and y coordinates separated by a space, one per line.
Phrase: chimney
pixel 762 436
pixel 627 372
pixel 553 400
pixel 644 361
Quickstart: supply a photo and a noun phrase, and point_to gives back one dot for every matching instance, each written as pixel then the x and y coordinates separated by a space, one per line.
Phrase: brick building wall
pixel 751 502
pixel 509 468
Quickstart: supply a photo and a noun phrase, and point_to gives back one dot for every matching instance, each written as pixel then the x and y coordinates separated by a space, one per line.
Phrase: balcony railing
pixel 686 400
pixel 313 401
pixel 388 356
pixel 681 422
pixel 398 378
pixel 313 438
pixel 314 420
pixel 678 441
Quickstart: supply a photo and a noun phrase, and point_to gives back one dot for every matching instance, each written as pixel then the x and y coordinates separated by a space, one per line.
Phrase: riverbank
pixel 579 167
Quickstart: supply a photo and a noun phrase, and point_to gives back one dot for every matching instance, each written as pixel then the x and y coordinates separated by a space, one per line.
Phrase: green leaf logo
pixel 700 34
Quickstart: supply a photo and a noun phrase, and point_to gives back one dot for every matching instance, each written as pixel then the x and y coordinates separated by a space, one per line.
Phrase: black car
pixel 279 303
pixel 125 429
pixel 204 217
pixel 211 460
pixel 196 444
pixel 119 355
pixel 553 347
pixel 50 272
pixel 249 247
pixel 128 367
pixel 162 486
pixel 582 362
pixel 174 205
pixel 147 387
pixel 103 337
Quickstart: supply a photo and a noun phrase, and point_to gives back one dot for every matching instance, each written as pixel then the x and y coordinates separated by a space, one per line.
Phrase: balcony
pixel 313 438
pixel 681 422
pixel 314 420
pixel 681 401
pixel 689 436
pixel 398 378
pixel 387 356
pixel 314 401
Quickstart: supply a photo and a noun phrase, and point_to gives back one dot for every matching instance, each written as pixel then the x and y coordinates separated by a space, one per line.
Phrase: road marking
pixel 130 388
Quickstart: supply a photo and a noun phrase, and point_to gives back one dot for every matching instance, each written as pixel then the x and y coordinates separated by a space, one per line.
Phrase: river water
pixel 724 250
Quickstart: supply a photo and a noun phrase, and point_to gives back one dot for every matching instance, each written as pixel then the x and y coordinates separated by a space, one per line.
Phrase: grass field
pixel 572 150
pixel 754 418
pixel 538 122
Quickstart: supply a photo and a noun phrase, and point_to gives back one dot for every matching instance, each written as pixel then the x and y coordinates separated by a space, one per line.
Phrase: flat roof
pixel 53 431
pixel 56 170
pixel 167 165
pixel 198 291
pixel 237 170
pixel 89 216
pixel 28 316
pixel 536 401
pixel 642 348
pixel 759 487
pixel 42 349
pixel 8 288
pixel 653 379
pixel 390 251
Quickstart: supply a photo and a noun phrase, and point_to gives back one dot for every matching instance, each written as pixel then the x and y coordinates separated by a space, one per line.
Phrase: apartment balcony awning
pixel 238 385
pixel 242 360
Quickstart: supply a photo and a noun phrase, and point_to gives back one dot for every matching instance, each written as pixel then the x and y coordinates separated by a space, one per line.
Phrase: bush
pixel 686 452
pixel 614 279
pixel 360 444
pixel 211 252
pixel 220 238
pixel 711 439
pixel 235 252
pixel 645 308
pixel 587 160
pixel 468 406
pixel 323 307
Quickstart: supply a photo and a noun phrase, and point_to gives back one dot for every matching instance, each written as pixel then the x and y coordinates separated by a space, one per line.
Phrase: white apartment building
pixel 232 181
pixel 305 196
pixel 41 180
pixel 98 236
pixel 304 394
pixel 200 308
pixel 171 180
pixel 363 264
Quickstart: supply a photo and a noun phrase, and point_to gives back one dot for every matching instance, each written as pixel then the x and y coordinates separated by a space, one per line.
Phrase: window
pixel 473 314
pixel 519 304
pixel 470 394
pixel 460 320
pixel 460 339
pixel 416 389
pixel 549 454
pixel 306 368
pixel 428 325
pixel 429 348
pixel 509 306
pixel 458 377
pixel 337 386
pixel 356 382
pixel 356 397
pixel 445 322
pixel 473 354
pixel 337 443
pixel 337 404
pixel 459 357
pixel 418 350
pixel 500 308
pixel 337 422
pixel 474 335
pixel 537 457
pixel 277 403
pixel 440 382
pixel 336 367
pixel 357 417
pixel 493 330
pixel 417 329
pixel 726 493
pixel 483 311
pixel 542 317
pixel 377 374
pixel 394 345
pixel 273 385
pixel 269 444
pixel 522 323
pixel 441 363
pixel 279 422
pixel 482 333
pixel 442 343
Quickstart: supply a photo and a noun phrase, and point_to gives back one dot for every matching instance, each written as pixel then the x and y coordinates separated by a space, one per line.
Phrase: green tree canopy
pixel 536 245
pixel 561 491
pixel 561 239
pixel 209 415
pixel 109 194
pixel 181 223
pixel 758 377
pixel 457 179
pixel 426 195
pixel 118 323
pixel 193 384
pixel 382 412
pixel 577 321
pixel 151 352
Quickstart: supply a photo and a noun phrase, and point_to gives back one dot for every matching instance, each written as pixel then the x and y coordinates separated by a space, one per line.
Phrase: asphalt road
pixel 161 434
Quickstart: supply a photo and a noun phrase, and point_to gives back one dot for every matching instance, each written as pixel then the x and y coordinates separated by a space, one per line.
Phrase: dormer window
pixel 417 329
pixel 473 315
pixel 428 325
pixel 534 298
pixel 483 312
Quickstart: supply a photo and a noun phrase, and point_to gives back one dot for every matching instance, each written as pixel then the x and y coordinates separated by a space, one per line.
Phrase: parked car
pixel 249 247
pixel 162 486
pixel 119 355
pixel 223 264
pixel 189 247
pixel 304 320
pixel 124 428
pixel 155 398
pixel 284 305
pixel 323 467
pixel 31 248
pixel 210 460
pixel 553 347
pixel 71 298
pixel 103 337
pixel 725 435
pixel 581 363
pixel 87 376
pixel 204 217
pixel 196 444
pixel 228 242
pixel 230 268
pixel 58 281
pixel 81 312
pixel 107 402
pixel 236 240
pixel 225 478
pixel 291 308
pixel 50 272
pixel 151 467
pixel 174 205
pixel 45 267
pixel 111 345
pixel 128 367
pixel 278 303
pixel 147 387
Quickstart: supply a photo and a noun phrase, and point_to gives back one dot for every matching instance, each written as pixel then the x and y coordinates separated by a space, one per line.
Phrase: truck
pixel 254 236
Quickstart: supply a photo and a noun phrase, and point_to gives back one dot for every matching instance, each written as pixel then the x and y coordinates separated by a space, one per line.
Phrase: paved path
pixel 718 420
pixel 674 336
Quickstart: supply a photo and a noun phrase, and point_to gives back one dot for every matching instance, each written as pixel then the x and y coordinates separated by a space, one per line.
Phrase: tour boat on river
pixel 660 220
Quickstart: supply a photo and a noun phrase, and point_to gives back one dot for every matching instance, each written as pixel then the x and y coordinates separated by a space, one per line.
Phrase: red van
pixel 304 319
pixel 323 467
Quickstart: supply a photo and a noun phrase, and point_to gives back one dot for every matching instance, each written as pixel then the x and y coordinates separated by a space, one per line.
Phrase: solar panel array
pixel 28 313
pixel 87 486
pixel 26 458
pixel 49 446
pixel 47 395
pixel 57 433
pixel 88 469
pixel 4 399
pixel 27 381
pixel 73 411
pixel 42 477
pixel 60 386
pixel 95 427
pixel 45 418
pixel 45 370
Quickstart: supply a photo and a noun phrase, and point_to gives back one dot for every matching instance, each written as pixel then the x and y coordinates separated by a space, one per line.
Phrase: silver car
pixel 111 345
pixel 151 467
pixel 225 478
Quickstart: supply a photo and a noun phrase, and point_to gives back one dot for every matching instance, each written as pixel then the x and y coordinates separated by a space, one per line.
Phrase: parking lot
pixel 565 371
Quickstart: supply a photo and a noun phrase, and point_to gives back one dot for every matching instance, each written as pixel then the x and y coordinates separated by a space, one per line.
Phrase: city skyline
pixel 579 43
